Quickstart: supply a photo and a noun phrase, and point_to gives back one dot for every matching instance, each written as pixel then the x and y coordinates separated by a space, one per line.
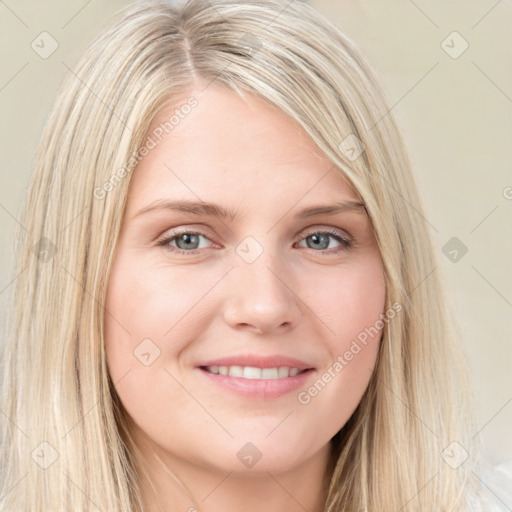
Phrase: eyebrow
pixel 215 210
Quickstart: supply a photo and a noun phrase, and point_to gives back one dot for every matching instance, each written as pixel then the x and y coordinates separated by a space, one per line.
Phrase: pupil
pixel 187 239
pixel 317 238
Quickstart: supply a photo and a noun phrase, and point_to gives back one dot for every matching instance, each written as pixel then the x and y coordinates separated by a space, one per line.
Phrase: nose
pixel 261 297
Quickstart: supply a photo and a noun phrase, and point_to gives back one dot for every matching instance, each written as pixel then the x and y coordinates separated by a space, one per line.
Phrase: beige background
pixel 456 116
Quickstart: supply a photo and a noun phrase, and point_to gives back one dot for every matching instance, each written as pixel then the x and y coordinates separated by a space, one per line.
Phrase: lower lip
pixel 259 388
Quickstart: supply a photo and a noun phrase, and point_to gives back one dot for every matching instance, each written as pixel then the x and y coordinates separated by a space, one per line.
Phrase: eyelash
pixel 345 240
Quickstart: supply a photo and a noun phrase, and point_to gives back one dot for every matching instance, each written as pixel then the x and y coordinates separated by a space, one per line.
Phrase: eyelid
pixel 164 240
pixel 345 235
pixel 346 239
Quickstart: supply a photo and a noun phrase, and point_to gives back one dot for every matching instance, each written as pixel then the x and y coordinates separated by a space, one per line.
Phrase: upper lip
pixel 258 361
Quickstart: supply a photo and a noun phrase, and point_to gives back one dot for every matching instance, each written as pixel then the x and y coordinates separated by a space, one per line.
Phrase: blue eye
pixel 322 239
pixel 187 242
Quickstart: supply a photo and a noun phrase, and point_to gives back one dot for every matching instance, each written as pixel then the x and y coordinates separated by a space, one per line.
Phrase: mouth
pixel 254 372
pixel 257 376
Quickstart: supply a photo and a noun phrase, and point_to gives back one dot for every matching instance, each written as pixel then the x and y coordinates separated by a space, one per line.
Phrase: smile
pixel 252 372
pixel 257 383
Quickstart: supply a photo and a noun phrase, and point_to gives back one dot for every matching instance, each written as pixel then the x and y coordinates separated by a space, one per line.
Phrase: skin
pixel 303 297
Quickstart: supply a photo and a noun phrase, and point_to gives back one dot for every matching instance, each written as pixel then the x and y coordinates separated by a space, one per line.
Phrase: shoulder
pixel 496 488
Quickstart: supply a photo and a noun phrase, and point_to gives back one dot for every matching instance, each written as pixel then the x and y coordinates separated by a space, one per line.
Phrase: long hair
pixel 65 446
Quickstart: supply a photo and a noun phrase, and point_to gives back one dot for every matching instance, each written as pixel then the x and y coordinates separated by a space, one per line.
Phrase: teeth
pixel 283 372
pixel 270 373
pixel 251 372
pixel 236 371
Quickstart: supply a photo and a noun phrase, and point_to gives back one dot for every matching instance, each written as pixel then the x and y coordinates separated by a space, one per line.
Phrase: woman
pixel 226 295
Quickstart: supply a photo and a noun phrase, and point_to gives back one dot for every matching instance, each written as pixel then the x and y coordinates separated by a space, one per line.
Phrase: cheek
pixel 351 306
pixel 362 299
pixel 348 301
pixel 141 309
pixel 153 309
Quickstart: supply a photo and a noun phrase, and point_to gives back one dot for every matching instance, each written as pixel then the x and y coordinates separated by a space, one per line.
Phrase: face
pixel 233 333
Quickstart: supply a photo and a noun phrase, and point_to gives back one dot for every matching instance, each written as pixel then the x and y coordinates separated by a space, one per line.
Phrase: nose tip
pixel 260 300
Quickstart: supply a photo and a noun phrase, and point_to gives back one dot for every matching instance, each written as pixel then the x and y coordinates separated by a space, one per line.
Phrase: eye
pixel 321 240
pixel 188 242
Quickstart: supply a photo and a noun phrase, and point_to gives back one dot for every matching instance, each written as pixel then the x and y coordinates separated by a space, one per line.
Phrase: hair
pixel 56 388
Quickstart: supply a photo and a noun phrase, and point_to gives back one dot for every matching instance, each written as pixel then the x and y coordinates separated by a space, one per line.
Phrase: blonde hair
pixel 57 390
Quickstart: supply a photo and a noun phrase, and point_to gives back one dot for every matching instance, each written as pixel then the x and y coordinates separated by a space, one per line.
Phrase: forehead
pixel 226 148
